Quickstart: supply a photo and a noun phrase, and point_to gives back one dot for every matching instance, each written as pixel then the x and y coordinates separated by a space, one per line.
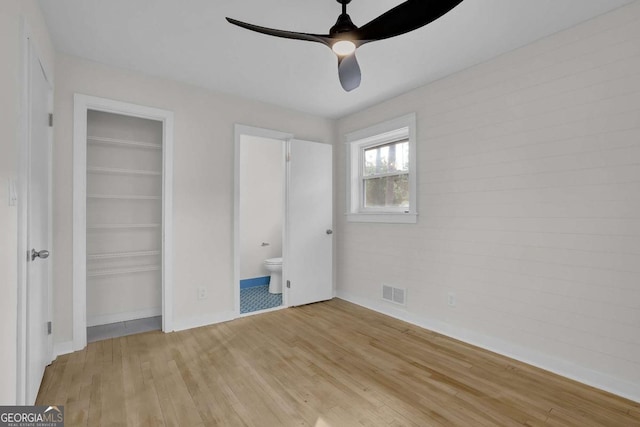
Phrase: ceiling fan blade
pixel 282 33
pixel 408 16
pixel 349 72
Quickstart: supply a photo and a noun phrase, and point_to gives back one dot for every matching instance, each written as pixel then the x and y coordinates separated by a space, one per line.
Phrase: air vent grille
pixel 394 295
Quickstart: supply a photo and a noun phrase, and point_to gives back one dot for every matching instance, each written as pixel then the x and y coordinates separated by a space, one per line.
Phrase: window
pixel 382 171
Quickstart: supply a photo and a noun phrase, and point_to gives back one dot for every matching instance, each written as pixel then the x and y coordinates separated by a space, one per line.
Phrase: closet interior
pixel 124 224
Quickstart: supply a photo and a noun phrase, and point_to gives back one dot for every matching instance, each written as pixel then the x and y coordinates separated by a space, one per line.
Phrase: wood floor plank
pixel 323 365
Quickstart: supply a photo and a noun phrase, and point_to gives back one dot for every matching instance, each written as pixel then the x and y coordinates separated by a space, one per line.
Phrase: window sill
pixel 386 217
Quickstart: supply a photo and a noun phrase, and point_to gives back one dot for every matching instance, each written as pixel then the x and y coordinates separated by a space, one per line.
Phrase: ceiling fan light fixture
pixel 343 47
pixel 344 37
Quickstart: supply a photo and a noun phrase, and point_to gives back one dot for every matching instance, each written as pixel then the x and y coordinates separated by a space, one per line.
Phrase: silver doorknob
pixel 39 254
pixel 329 231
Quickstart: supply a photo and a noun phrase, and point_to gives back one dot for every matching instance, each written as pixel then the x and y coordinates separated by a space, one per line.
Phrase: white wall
pixel 529 204
pixel 528 197
pixel 203 180
pixel 11 12
pixel 261 203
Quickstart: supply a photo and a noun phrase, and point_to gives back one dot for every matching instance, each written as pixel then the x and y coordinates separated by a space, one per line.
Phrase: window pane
pixel 387 158
pixel 388 191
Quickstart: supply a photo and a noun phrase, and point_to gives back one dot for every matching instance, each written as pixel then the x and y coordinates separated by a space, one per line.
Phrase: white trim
pixel 399 218
pixel 23 177
pixel 266 310
pixel 380 130
pixel 62 348
pixel 106 319
pixel 382 133
pixel 561 367
pixel 356 142
pixel 79 237
pixel 240 130
pixel 167 222
pixel 203 320
pixel 82 103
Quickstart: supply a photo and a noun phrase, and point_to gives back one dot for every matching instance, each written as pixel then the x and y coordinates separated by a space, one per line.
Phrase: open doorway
pixel 260 186
pixel 124 214
pixel 122 248
pixel 302 215
pixel 261 216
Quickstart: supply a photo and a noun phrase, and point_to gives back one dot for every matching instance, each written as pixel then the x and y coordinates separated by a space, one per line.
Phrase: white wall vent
pixel 394 295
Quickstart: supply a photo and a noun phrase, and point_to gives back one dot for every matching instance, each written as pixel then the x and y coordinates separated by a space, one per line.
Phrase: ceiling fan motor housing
pixel 343 25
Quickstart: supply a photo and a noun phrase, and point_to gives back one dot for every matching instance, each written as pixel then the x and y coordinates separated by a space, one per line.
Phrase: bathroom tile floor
pixel 258 298
pixel 121 329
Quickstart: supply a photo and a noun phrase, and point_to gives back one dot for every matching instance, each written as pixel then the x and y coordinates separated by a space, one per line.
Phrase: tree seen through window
pixel 386 175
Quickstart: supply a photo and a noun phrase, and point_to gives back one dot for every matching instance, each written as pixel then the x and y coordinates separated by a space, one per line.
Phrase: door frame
pixel 83 103
pixel 22 189
pixel 240 130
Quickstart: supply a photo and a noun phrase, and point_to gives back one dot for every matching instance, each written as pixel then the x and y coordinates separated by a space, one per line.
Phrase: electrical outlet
pixel 202 293
pixel 451 299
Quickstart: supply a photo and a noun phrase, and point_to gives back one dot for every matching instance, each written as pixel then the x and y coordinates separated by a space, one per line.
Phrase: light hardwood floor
pixel 329 364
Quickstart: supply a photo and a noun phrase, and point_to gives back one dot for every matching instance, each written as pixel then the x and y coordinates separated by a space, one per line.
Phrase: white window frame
pixel 382 133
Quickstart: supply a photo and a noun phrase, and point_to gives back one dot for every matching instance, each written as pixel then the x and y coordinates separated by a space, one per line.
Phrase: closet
pixel 123 217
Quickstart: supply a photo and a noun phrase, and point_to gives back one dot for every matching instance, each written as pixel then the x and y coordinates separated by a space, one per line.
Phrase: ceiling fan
pixel 345 37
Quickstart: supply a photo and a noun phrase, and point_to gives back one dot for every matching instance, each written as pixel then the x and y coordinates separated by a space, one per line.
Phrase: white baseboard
pixel 203 320
pixel 105 319
pixel 561 367
pixel 61 348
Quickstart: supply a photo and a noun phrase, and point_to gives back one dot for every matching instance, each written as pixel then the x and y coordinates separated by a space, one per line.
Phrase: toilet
pixel 274 265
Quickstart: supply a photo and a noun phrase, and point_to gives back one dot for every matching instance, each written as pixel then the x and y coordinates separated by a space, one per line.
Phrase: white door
pixel 39 344
pixel 309 217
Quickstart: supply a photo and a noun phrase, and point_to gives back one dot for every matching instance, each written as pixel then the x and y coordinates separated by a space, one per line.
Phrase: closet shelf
pixel 120 226
pixel 121 197
pixel 115 271
pixel 114 171
pixel 114 255
pixel 123 142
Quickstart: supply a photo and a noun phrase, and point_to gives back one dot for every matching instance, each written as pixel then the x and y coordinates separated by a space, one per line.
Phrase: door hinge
pixel 49 328
pixel 288 283
pixel 50 120
pixel 288 157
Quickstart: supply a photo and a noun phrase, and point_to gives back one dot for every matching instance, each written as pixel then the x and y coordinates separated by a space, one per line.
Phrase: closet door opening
pixel 124 215
pixel 122 220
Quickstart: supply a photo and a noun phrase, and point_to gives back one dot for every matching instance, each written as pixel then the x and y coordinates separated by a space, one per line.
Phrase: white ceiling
pixel 190 41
